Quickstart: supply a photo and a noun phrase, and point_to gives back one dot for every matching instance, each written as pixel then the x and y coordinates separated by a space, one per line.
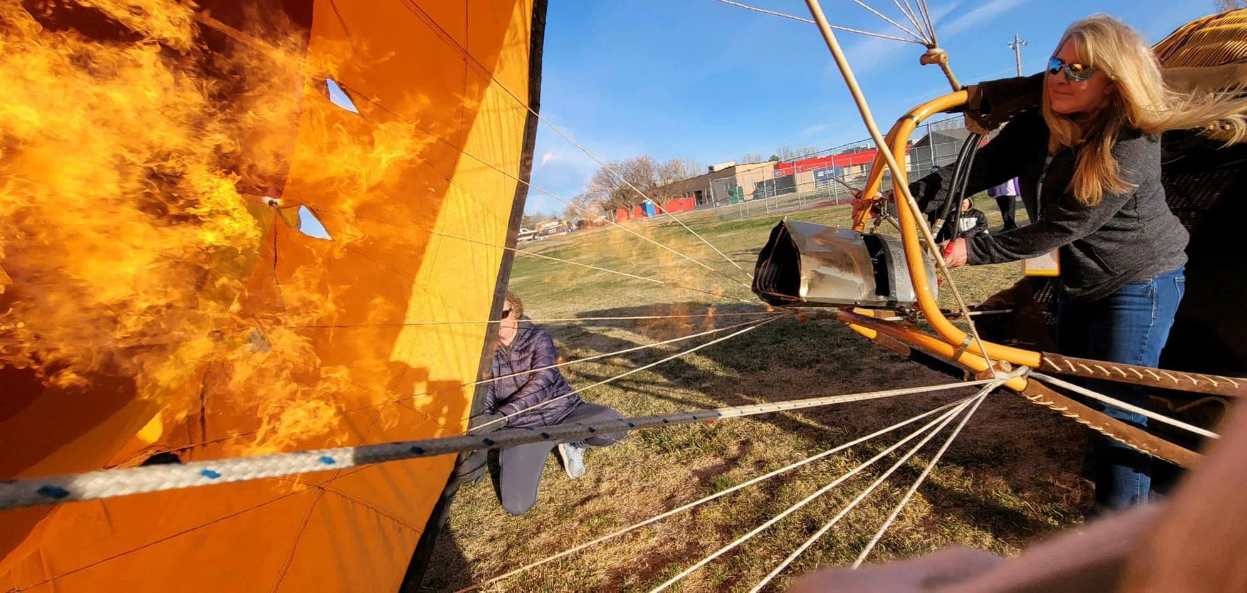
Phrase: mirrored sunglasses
pixel 1073 72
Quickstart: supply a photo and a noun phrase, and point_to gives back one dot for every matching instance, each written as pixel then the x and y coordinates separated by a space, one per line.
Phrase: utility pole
pixel 1016 46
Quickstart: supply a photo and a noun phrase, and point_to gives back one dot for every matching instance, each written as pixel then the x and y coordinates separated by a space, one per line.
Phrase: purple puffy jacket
pixel 533 348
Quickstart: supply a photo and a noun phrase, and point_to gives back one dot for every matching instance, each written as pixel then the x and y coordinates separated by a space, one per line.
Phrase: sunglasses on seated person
pixel 506 314
pixel 1073 72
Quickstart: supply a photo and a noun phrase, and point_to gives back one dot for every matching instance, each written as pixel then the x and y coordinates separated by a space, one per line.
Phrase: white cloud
pixel 814 129
pixel 547 157
pixel 873 52
pixel 977 16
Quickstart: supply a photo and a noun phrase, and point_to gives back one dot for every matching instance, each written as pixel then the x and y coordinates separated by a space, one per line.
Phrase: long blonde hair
pixel 1140 101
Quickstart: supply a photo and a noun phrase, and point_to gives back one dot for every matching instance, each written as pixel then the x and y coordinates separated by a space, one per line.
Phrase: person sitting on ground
pixel 528 392
pixel 971 222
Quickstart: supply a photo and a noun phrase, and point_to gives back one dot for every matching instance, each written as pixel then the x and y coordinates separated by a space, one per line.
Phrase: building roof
pixel 949 135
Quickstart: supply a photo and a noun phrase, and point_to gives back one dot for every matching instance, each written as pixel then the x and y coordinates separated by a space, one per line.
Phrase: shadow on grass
pixel 449 569
pixel 787 360
pixel 1008 451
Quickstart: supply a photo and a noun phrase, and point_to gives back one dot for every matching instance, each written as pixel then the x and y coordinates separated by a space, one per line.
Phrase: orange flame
pixel 130 218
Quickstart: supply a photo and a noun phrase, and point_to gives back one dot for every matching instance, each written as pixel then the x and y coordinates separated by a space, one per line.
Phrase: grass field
pixel 1011 477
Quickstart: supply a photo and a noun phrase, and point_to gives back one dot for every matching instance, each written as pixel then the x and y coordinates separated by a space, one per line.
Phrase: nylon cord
pixel 706 499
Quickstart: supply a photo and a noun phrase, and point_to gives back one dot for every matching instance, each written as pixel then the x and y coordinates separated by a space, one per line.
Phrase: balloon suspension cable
pixel 458 387
pixel 920 39
pixel 898 173
pixel 1125 406
pixel 471 60
pixel 785 15
pixel 549 320
pixel 908 11
pixel 531 254
pixel 707 499
pixel 972 403
pixel 110 483
pixel 896 511
pixel 940 421
pixel 755 325
pixel 925 9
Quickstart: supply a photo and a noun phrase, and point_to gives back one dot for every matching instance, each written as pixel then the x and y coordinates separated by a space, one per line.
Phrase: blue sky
pixel 708 81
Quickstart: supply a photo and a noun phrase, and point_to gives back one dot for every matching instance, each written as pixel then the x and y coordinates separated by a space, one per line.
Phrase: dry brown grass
pixel 1010 478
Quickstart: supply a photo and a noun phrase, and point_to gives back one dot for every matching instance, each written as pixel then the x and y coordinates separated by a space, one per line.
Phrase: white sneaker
pixel 573 460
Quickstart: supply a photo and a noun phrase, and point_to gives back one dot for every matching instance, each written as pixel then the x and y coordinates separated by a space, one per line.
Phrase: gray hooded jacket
pixel 1127 238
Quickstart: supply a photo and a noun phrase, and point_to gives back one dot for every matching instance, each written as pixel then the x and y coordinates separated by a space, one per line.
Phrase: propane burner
pixel 815 265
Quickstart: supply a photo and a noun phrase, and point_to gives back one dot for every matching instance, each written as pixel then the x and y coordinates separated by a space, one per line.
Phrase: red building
pixel 678 205
pixel 850 162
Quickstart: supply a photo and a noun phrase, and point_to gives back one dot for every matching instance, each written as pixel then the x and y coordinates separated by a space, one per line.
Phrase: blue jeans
pixel 1130 326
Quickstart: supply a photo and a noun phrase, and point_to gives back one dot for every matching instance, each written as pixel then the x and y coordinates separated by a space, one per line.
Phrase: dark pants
pixel 1129 326
pixel 520 467
pixel 1008 207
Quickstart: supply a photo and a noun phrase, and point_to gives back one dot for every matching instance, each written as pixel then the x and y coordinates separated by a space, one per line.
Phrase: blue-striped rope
pixel 110 483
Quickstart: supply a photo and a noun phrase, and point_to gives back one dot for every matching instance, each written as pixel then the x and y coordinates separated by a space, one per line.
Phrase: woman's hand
pixel 877 205
pixel 955 253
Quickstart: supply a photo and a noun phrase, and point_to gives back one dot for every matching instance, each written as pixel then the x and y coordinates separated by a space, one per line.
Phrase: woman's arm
pixel 1067 221
pixel 491 397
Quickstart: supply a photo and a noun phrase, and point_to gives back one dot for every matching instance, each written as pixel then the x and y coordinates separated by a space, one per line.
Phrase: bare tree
pixel 583 206
pixel 608 191
pixel 670 172
pixel 677 169
pixel 1225 5
pixel 751 157
pixel 612 187
pixel 530 221
pixel 787 153
pixel 807 151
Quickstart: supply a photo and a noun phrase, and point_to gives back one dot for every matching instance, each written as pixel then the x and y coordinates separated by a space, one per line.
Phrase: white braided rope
pixel 896 512
pixel 110 483
pixel 704 500
pixel 1125 406
pixel 973 400
pixel 942 420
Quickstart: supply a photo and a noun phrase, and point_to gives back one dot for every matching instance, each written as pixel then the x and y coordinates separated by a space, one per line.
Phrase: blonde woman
pixel 1088 166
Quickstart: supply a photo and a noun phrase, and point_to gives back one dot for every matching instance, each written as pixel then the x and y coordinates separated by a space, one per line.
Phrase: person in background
pixel 1006 195
pixel 971 222
pixel 528 392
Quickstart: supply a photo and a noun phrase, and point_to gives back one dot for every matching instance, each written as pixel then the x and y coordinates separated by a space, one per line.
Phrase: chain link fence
pixel 824 178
